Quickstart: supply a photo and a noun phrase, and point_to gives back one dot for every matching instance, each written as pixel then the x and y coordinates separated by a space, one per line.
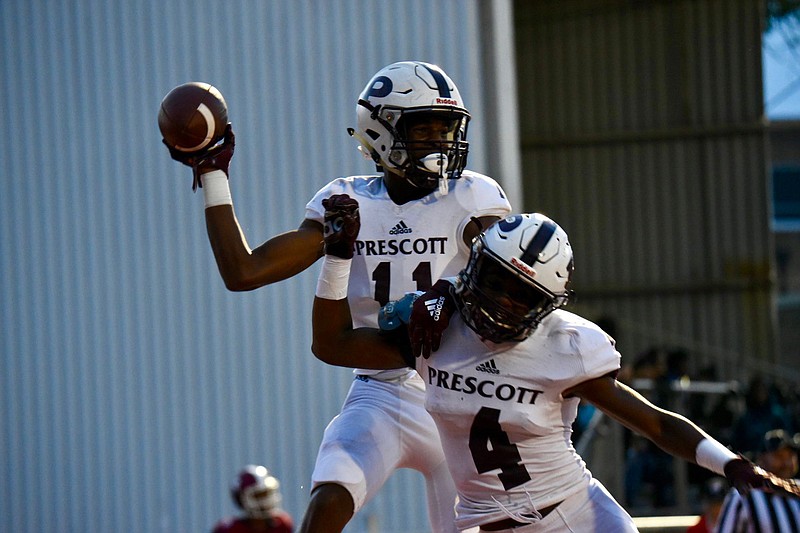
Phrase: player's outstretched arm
pixel 241 268
pixel 676 434
pixel 193 119
pixel 670 431
pixel 279 258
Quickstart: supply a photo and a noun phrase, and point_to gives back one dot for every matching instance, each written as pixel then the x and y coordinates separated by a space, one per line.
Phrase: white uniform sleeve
pixel 487 197
pixel 589 351
pixel 484 196
pixel 314 209
pixel 598 352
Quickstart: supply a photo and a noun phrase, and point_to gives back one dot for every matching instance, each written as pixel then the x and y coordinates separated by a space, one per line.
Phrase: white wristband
pixel 712 455
pixel 216 189
pixel 333 278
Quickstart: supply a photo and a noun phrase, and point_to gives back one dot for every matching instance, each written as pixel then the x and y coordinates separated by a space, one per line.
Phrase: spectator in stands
pixel 647 365
pixel 762 413
pixel 677 364
pixel 649 477
pixel 724 413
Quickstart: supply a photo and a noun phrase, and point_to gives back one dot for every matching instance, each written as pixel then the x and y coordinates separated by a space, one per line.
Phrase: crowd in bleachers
pixel 738 414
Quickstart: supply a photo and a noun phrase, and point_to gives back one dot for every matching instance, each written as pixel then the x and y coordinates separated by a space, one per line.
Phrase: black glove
pixel 744 476
pixel 342 224
pixel 217 157
pixel 430 316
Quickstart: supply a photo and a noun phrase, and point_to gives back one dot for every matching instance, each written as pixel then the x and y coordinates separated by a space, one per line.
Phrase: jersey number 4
pixel 491 449
pixel 382 276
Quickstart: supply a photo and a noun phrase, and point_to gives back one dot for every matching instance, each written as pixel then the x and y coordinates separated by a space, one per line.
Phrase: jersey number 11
pixel 382 276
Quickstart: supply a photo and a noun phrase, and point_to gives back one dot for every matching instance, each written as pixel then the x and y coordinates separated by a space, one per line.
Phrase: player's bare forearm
pixel 670 431
pixel 679 436
pixel 279 258
pixel 337 343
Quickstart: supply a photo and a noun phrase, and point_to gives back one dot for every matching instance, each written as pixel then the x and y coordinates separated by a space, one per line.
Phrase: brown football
pixel 193 116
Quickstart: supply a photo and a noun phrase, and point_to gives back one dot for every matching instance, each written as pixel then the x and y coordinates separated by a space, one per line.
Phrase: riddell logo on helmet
pixel 522 266
pixel 446 101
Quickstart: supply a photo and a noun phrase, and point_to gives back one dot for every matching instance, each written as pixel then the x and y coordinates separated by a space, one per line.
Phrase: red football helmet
pixel 256 492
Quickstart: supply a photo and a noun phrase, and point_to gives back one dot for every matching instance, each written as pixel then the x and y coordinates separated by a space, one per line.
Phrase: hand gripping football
pixel 193 117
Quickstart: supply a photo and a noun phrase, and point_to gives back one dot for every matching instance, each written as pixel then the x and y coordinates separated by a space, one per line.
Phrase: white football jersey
pixel 505 428
pixel 406 248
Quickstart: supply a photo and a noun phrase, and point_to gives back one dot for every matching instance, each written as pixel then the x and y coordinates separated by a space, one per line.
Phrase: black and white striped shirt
pixel 759 512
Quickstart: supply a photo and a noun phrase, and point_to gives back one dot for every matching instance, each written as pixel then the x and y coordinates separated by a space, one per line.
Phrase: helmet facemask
pixel 499 298
pixel 400 98
pixel 430 146
pixel 260 502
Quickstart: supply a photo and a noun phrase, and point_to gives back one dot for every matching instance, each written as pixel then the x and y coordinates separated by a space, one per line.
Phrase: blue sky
pixel 781 55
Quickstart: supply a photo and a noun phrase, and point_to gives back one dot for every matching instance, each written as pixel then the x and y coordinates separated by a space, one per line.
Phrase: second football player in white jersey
pixel 504 386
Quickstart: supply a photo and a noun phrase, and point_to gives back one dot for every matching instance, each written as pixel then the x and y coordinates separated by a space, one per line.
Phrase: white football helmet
pixel 256 492
pixel 518 272
pixel 403 93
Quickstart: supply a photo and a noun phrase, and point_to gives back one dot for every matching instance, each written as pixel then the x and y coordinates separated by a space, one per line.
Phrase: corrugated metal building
pixel 642 131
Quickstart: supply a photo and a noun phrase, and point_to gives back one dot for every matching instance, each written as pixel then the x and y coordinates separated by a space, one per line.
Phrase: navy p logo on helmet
pixel 381 87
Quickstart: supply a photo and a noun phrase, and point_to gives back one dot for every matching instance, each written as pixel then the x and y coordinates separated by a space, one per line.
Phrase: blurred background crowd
pixel 738 414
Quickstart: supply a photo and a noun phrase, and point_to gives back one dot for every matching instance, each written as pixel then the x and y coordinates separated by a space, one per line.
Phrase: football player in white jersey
pixel 418 217
pixel 506 380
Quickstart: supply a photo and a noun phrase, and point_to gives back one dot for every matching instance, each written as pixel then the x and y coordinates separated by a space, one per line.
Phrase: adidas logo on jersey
pixel 488 367
pixel 399 229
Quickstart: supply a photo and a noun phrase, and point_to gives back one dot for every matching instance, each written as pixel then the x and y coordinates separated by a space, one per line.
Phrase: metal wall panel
pixel 642 133
pixel 133 385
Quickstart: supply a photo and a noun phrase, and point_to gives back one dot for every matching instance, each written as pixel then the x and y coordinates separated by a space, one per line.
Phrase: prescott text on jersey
pixel 487 388
pixel 431 245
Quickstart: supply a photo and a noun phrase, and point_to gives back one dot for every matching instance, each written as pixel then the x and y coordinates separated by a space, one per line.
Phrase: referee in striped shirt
pixel 760 511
